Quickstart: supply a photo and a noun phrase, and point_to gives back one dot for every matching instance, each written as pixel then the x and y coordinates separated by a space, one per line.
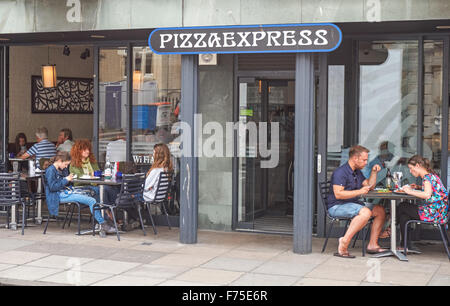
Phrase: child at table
pixel 435 206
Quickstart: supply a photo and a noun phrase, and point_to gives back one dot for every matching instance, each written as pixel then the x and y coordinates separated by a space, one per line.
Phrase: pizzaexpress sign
pixel 324 37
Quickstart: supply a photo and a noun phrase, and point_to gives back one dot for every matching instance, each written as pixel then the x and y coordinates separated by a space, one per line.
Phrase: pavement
pixel 219 258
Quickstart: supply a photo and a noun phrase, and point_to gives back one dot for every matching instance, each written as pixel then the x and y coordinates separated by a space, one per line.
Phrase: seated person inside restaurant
pixel 433 192
pixel 57 190
pixel 65 140
pixel 42 149
pixel 20 147
pixel 348 185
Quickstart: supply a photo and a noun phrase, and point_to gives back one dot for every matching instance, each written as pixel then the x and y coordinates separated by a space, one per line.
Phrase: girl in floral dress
pixel 435 207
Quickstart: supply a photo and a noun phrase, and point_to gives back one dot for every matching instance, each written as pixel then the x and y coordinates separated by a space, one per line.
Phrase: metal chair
pixel 130 197
pixel 442 230
pixel 325 189
pixel 71 206
pixel 161 196
pixel 10 194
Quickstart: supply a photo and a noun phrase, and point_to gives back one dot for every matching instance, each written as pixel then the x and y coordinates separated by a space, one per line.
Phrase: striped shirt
pixel 42 149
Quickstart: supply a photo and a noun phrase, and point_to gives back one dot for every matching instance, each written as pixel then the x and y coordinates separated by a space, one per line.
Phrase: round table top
pixel 389 196
pixel 102 181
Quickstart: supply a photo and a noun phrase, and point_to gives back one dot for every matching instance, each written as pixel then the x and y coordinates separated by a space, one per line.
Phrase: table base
pixel 397 254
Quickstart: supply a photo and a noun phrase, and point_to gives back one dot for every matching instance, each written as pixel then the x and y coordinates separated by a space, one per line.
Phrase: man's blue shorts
pixel 348 210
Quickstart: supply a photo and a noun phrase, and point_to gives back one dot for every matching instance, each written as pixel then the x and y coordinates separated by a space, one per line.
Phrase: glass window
pixel 432 114
pixel 112 102
pixel 156 108
pixel 388 105
pixel 336 97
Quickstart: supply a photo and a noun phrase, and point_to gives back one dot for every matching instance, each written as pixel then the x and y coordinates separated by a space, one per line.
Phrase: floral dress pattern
pixel 435 208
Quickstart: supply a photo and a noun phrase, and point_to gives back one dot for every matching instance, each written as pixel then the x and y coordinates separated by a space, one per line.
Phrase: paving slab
pixel 76 278
pixel 209 276
pixel 28 273
pixel 60 262
pixel 108 266
pixel 20 257
pixel 308 281
pixel 157 271
pixel 232 264
pixel 284 268
pixel 188 260
pixel 122 280
pixel 256 279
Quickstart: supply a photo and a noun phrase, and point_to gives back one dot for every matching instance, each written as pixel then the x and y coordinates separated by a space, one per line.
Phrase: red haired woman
pixel 84 163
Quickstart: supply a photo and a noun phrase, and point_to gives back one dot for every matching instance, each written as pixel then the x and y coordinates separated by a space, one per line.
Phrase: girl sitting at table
pixel 435 206
pixel 161 163
pixel 57 179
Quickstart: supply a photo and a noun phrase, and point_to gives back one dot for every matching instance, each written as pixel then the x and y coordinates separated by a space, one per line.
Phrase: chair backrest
pixel 163 188
pixel 325 189
pixel 10 189
pixel 131 189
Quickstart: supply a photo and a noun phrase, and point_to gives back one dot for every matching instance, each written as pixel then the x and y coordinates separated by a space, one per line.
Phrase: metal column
pixel 304 153
pixel 188 160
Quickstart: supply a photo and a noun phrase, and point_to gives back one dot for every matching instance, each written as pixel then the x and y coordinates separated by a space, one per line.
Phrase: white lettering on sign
pixel 244 39
pixel 74 13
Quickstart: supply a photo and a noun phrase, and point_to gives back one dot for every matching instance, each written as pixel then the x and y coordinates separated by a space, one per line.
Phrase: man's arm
pixel 372 180
pixel 342 194
pixel 24 156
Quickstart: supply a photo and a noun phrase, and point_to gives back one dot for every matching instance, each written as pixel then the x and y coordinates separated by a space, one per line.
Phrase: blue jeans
pixel 348 210
pixel 83 199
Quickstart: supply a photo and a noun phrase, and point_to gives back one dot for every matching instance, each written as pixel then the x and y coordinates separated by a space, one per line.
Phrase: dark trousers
pixel 406 212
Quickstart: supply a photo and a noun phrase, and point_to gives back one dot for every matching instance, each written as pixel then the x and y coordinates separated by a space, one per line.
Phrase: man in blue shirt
pixel 348 185
pixel 43 148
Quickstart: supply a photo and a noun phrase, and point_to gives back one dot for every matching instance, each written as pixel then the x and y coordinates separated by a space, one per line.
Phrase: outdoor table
pixel 101 184
pixel 395 198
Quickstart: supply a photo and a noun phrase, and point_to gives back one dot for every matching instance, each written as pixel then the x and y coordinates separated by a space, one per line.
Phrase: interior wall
pixel 26 61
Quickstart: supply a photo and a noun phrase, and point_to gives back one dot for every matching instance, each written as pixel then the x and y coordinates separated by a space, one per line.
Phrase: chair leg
pixel 444 239
pixel 79 218
pixel 365 231
pixel 23 218
pixel 46 225
pixel 8 213
pixel 405 240
pixel 140 218
pixel 167 215
pixel 67 214
pixel 115 222
pixel 151 218
pixel 355 239
pixel 71 214
pixel 328 235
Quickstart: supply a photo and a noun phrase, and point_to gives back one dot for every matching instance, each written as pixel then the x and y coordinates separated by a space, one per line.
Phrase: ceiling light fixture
pixel 48 73
pixel 444 27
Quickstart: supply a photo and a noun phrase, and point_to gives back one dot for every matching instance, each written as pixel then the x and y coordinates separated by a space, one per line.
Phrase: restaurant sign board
pixel 287 38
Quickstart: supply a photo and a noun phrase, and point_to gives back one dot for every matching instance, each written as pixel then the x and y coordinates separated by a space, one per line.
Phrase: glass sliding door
pixel 265 201
pixel 250 173
pixel 388 104
pixel 113 123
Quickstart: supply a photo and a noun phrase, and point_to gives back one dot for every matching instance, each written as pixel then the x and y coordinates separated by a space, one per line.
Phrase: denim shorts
pixel 348 210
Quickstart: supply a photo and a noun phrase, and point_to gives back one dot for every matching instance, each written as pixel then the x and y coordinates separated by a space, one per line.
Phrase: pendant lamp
pixel 48 73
